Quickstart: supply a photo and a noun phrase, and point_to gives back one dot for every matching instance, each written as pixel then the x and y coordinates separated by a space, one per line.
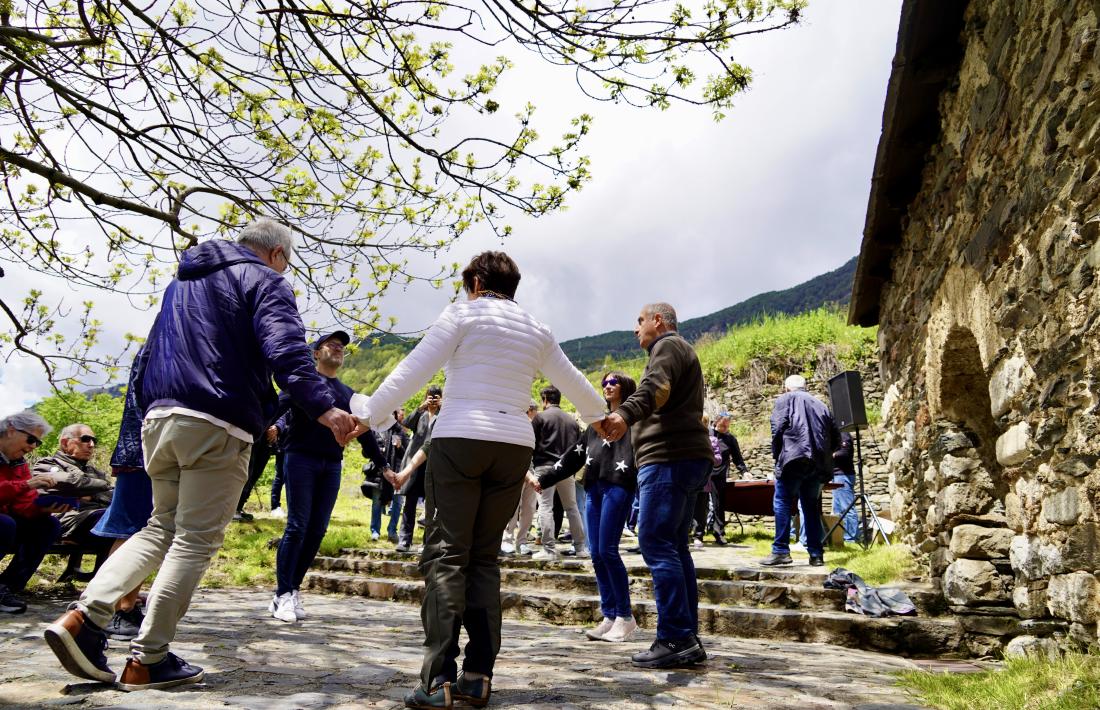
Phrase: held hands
pixel 272 434
pixel 612 427
pixel 398 480
pixel 342 424
pixel 361 427
pixel 533 481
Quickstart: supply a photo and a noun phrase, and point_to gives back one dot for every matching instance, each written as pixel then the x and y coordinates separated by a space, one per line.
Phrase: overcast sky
pixel 680 209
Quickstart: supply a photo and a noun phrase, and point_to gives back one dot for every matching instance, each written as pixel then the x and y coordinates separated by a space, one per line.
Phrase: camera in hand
pixel 372 480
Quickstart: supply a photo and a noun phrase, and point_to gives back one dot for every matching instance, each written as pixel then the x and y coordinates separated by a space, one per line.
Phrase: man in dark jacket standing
pixel 803 439
pixel 673 455
pixel 556 433
pixel 228 322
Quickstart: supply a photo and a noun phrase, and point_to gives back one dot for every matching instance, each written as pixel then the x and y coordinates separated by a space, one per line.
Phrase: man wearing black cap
pixel 312 465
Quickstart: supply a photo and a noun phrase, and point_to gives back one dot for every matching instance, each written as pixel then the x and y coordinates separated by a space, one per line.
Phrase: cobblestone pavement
pixel 358 653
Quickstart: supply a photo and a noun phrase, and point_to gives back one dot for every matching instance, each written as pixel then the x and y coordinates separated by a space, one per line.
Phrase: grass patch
pixel 1070 682
pixel 881 564
pixel 794 339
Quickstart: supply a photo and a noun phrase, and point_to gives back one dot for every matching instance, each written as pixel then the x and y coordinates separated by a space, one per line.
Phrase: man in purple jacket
pixel 803 439
pixel 227 324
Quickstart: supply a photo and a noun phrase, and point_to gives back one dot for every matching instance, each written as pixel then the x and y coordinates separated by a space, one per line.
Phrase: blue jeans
pixel 376 513
pixel 799 483
pixel 842 498
pixel 606 508
pixel 312 485
pixel 666 500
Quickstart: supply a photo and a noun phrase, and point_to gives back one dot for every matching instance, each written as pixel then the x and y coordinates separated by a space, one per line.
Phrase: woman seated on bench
pixel 27 528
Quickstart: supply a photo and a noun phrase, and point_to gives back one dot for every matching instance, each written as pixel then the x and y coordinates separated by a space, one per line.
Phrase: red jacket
pixel 15 497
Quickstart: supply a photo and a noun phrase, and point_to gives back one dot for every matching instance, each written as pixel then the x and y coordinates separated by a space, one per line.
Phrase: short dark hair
pixel 496 271
pixel 550 394
pixel 435 389
pixel 627 385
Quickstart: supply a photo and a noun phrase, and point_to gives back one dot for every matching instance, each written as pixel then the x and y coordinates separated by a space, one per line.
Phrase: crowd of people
pixel 202 421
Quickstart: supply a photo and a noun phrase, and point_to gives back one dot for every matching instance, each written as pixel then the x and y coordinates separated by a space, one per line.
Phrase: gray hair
pixel 265 233
pixel 794 382
pixel 27 420
pixel 667 313
pixel 70 432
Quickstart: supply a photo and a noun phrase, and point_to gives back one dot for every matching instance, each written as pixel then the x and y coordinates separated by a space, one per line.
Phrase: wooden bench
pixel 75 552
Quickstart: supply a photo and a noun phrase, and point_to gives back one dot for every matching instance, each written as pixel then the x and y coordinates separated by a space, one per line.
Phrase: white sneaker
pixel 627 532
pixel 507 548
pixel 583 553
pixel 623 629
pixel 278 513
pixel 282 608
pixel 299 610
pixel 374 536
pixel 545 555
pixel 698 544
pixel 524 549
pixel 597 633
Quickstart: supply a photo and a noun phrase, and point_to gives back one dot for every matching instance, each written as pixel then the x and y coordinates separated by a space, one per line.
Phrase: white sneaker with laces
pixel 545 555
pixel 597 633
pixel 583 553
pixel 622 630
pixel 282 608
pixel 698 544
pixel 507 548
pixel 299 610
pixel 524 549
pixel 278 513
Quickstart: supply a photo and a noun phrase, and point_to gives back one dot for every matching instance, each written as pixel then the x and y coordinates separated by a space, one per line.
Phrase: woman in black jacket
pixel 610 478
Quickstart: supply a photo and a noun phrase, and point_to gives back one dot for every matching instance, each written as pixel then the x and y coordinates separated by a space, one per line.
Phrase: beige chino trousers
pixel 198 471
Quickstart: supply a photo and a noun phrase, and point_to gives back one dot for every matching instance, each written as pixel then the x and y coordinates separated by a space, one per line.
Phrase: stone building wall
pixel 990 353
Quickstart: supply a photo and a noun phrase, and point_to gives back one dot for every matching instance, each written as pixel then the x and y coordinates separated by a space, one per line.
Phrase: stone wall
pixel 990 357
pixel 750 397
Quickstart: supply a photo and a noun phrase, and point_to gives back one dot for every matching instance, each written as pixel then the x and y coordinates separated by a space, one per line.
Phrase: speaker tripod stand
pixel 867 533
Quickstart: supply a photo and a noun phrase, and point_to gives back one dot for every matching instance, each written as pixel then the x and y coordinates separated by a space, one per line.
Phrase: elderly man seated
pixel 75 476
pixel 27 528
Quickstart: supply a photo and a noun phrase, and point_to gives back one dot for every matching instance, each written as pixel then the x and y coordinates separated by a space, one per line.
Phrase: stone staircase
pixel 738 599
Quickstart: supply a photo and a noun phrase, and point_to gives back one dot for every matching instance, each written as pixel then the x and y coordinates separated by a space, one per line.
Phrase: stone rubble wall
pixel 990 356
pixel 749 398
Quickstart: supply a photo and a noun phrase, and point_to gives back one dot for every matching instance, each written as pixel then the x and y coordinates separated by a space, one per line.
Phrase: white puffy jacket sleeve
pixel 412 373
pixel 572 383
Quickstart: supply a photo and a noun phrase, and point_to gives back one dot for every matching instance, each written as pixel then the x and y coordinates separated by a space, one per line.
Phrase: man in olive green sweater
pixel 673 456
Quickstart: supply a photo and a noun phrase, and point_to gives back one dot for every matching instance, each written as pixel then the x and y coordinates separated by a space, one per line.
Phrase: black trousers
pixel 472 490
pixel 257 462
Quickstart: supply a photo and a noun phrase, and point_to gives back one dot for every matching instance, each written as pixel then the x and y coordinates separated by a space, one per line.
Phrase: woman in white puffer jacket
pixel 490 350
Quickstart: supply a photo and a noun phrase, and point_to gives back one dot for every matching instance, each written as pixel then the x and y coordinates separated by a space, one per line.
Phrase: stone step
pixel 796 574
pixel 911 636
pixel 783 589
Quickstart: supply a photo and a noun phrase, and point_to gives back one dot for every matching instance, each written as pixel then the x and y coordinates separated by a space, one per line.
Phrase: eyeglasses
pixel 31 438
pixel 89 439
pixel 610 381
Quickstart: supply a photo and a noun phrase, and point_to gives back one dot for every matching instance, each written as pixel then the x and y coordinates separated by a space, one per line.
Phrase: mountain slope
pixel 833 287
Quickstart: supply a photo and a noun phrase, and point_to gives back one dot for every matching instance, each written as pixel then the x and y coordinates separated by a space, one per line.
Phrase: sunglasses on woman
pixel 610 381
pixel 31 438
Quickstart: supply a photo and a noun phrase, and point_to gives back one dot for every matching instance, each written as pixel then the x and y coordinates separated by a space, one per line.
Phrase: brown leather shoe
pixel 79 645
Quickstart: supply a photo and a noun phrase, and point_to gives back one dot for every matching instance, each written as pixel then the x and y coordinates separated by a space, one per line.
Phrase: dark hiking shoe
pixel 402 547
pixel 167 673
pixel 79 644
pixel 474 691
pixel 702 649
pixel 438 697
pixel 671 654
pixel 775 559
pixel 242 517
pixel 9 603
pixel 817 561
pixel 719 539
pixel 124 625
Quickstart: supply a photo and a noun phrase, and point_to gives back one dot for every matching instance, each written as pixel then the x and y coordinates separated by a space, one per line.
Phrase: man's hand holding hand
pixel 613 427
pixel 533 481
pixel 342 424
